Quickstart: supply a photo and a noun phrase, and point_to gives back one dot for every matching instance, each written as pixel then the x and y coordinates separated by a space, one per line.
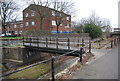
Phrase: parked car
pixel 7 34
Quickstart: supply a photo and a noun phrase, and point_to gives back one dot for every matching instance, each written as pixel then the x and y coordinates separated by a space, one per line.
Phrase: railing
pixel 115 41
pixel 58 43
pixel 52 63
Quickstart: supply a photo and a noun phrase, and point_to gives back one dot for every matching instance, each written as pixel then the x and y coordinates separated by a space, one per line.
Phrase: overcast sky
pixel 103 8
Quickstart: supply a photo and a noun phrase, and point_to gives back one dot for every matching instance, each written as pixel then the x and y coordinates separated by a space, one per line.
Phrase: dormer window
pixel 26 15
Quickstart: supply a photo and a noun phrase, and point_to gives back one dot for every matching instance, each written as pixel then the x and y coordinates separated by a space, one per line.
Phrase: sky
pixel 103 8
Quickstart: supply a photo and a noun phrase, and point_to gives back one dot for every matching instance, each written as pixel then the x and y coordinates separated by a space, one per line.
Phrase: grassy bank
pixel 31 73
pixel 11 37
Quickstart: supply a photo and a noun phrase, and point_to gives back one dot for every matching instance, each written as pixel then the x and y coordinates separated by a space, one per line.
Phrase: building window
pixel 65 27
pixel 15 26
pixel 61 24
pixel 53 23
pixel 53 13
pixel 68 25
pixel 21 25
pixel 33 14
pixel 26 15
pixel 68 18
pixel 32 23
pixel 26 24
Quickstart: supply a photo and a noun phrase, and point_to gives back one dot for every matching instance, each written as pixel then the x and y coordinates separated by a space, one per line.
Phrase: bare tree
pixel 7 11
pixel 63 6
pixel 77 27
pixel 94 19
pixel 41 8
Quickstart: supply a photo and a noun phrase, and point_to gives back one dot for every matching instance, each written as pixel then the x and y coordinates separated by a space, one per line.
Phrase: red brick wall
pixel 46 25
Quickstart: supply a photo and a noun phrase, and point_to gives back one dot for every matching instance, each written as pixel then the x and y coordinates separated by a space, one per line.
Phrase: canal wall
pixel 24 55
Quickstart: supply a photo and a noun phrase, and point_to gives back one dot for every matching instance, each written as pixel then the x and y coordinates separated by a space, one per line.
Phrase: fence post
pixel 89 45
pixel 80 54
pixel 52 68
pixel 30 41
pixel 68 43
pixel 23 41
pixel 56 43
pixel 82 42
pixel 78 42
pixel 37 42
pixel 46 42
pixel 111 43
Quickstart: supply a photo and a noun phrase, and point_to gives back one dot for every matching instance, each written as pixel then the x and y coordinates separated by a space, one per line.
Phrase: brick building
pixel 32 17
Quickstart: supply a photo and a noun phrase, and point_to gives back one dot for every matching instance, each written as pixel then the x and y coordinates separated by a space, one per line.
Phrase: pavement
pixel 104 65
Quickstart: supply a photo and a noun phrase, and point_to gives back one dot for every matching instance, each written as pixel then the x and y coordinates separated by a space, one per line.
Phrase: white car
pixel 8 34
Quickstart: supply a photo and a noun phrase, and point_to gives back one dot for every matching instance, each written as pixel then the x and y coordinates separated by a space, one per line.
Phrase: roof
pixel 39 6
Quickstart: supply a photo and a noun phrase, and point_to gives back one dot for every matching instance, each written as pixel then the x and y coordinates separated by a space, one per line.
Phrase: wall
pixel 26 55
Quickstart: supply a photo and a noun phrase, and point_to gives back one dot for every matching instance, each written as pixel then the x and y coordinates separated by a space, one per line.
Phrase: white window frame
pixel 33 23
pixel 15 26
pixel 68 18
pixel 26 23
pixel 26 15
pixel 53 13
pixel 33 14
pixel 53 23
pixel 68 25
pixel 65 27
pixel 21 25
pixel 61 24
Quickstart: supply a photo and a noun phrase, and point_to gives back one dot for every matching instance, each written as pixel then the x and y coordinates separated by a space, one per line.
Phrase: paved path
pixel 105 67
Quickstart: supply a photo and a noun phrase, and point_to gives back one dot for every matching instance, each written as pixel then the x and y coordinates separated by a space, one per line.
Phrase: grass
pixel 38 70
pixel 31 73
pixel 11 37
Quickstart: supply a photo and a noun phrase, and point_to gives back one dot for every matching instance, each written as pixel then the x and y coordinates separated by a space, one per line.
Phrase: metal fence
pixel 52 62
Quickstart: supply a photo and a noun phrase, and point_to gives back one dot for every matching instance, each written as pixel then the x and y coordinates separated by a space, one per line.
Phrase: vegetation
pixel 11 37
pixel 35 71
pixel 93 30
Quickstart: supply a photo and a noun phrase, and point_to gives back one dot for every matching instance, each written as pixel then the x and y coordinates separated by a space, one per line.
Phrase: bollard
pixel 89 46
pixel 52 68
pixel 80 54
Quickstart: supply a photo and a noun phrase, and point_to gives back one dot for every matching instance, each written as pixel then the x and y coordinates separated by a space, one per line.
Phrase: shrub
pixel 93 30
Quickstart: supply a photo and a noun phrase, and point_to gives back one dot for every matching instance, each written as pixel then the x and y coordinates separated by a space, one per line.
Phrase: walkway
pixel 105 67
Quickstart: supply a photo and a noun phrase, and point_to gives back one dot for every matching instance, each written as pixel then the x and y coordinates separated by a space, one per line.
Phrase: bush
pixel 93 30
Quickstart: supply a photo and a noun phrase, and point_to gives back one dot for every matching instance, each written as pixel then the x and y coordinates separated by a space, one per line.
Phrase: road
pixel 105 67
